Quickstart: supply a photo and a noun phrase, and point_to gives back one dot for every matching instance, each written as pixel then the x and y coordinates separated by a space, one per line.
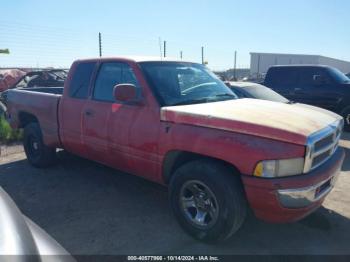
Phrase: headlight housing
pixel 279 168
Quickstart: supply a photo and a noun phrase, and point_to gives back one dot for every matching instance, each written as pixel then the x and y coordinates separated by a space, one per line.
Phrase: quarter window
pixel 282 77
pixel 79 87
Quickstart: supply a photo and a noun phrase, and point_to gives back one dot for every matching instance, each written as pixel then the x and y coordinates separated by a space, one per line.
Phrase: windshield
pixel 264 93
pixel 338 76
pixel 177 83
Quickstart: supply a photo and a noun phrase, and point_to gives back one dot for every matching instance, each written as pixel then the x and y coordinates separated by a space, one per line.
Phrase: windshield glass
pixel 262 92
pixel 177 83
pixel 338 76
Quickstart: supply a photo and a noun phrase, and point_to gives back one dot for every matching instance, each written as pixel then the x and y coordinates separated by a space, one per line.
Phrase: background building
pixel 261 62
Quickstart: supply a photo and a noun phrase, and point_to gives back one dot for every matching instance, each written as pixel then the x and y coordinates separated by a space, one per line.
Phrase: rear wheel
pixel 38 154
pixel 207 200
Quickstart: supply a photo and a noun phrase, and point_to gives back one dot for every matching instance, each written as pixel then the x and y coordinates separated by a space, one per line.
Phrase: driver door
pixel 308 91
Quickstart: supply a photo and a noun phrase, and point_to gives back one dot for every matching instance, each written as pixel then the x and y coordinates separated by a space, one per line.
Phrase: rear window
pixel 79 87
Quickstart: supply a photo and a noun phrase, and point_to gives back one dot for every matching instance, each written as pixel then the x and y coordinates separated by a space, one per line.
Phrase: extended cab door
pixel 282 80
pixel 120 135
pixel 72 104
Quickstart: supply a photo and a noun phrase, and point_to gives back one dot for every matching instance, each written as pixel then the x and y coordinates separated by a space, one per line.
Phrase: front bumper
pixel 289 199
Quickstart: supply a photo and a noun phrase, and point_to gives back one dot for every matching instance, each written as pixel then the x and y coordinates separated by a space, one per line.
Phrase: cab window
pixel 111 74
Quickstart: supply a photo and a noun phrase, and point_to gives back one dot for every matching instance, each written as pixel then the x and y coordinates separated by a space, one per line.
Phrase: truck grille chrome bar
pixel 322 145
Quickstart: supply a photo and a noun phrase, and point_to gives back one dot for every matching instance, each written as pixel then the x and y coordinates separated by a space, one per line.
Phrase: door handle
pixel 89 112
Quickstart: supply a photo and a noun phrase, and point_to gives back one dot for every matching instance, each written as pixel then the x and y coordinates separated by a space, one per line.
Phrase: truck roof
pixel 299 66
pixel 136 59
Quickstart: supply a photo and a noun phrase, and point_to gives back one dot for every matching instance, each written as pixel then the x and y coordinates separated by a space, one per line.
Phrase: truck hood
pixel 285 122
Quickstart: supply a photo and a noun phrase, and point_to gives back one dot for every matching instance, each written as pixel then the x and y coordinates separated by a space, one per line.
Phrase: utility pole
pixel 164 48
pixel 181 55
pixel 258 74
pixel 202 55
pixel 100 43
pixel 235 67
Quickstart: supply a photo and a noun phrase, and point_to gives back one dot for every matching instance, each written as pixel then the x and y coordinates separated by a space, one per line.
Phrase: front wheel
pixel 38 154
pixel 207 199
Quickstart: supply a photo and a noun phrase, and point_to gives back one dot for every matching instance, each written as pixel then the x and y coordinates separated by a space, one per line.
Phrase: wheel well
pixel 174 159
pixel 26 118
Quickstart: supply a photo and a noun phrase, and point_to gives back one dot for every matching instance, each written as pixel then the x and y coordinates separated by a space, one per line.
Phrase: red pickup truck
pixel 177 124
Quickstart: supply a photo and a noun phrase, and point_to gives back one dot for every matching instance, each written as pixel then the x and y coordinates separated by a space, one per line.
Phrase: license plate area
pixel 322 188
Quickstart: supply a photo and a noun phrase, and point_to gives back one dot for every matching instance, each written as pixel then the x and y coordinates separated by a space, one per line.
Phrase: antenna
pixel 160 47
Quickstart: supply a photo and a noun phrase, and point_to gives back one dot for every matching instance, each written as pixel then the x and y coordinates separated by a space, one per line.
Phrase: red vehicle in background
pixel 9 77
pixel 177 124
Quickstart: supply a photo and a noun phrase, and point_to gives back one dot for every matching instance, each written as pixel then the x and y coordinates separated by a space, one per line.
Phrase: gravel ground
pixel 91 209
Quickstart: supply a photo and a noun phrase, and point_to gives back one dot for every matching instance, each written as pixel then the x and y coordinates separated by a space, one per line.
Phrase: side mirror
pixel 319 80
pixel 126 93
pixel 227 83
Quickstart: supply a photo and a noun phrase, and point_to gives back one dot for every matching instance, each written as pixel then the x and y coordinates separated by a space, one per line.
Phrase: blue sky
pixel 54 33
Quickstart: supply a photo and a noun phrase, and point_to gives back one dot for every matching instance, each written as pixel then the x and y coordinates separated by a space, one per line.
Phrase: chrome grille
pixel 324 142
pixel 322 145
pixel 320 158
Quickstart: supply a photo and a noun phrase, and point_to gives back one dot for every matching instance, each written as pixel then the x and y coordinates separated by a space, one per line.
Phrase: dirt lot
pixel 91 209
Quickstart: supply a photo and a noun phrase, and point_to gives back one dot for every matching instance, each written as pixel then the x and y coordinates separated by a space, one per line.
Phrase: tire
pixel 226 209
pixel 346 115
pixel 38 154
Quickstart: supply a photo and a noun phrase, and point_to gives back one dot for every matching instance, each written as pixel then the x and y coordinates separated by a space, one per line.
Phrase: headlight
pixel 279 168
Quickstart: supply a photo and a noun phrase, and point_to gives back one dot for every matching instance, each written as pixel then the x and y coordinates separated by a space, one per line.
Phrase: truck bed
pixel 41 103
pixel 48 90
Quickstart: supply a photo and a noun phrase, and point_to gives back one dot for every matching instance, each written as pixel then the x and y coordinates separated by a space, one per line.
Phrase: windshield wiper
pixel 203 100
pixel 191 101
pixel 225 95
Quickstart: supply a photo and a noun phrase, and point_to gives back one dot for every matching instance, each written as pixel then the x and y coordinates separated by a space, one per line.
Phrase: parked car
pixel 317 85
pixel 42 78
pixel 23 239
pixel 177 124
pixel 257 91
pixel 8 77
